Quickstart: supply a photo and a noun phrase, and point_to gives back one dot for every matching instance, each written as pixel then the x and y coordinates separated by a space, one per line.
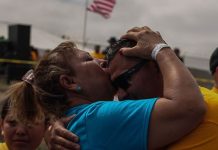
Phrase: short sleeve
pixel 119 125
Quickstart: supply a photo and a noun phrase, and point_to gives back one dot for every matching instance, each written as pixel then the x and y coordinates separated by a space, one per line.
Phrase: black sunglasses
pixel 122 81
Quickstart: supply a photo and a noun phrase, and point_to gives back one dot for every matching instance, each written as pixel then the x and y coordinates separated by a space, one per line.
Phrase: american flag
pixel 103 7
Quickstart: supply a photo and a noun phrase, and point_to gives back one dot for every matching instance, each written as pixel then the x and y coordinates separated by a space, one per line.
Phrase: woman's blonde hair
pixel 45 96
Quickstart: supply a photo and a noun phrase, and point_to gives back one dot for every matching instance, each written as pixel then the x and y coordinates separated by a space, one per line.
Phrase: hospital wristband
pixel 157 48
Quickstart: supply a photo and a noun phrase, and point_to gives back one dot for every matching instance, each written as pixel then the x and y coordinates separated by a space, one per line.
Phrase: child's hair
pixel 5 106
pixel 21 100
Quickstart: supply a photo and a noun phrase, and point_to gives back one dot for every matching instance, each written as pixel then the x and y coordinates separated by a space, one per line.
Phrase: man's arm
pixel 182 107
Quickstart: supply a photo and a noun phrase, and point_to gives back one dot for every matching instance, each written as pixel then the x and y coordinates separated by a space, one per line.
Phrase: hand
pixel 146 40
pixel 58 137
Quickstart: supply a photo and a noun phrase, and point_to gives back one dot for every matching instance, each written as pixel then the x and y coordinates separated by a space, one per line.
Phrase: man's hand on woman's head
pixel 146 41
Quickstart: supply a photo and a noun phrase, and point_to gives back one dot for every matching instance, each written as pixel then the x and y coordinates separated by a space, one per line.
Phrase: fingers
pixel 60 137
pixel 158 33
pixel 136 32
pixel 66 120
pixel 146 28
pixel 130 35
pixel 130 51
pixel 146 40
pixel 58 147
pixel 62 144
pixel 137 29
pixel 65 134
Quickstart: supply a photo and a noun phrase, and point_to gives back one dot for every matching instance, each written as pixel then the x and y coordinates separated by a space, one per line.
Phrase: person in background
pixel 111 41
pixel 18 135
pixel 214 69
pixel 96 53
pixel 34 54
pixel 177 52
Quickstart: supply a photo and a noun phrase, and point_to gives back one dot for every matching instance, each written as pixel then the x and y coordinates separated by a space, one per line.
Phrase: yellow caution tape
pixel 15 61
pixel 204 80
pixel 34 62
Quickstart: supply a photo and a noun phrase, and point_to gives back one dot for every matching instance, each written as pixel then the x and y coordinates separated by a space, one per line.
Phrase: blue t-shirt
pixel 112 125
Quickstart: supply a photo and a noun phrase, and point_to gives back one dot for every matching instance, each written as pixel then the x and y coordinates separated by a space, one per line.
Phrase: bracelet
pixel 157 48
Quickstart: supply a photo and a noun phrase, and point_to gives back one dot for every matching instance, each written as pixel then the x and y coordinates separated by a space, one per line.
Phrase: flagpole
pixel 85 25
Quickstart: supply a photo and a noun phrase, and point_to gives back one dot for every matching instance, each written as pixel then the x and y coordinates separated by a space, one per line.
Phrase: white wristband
pixel 157 48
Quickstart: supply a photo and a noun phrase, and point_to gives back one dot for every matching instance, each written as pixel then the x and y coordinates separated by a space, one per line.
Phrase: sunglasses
pixel 122 81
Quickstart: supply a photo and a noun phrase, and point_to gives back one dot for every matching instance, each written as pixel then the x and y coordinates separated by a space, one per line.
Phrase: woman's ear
pixel 67 82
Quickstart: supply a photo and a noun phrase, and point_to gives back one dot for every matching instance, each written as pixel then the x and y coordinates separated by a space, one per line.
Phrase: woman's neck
pixel 76 99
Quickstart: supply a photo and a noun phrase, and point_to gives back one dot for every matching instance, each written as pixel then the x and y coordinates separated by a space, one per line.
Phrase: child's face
pixel 19 136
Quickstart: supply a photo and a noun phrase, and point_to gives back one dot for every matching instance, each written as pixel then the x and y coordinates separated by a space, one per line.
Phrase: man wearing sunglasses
pixel 136 79
pixel 181 106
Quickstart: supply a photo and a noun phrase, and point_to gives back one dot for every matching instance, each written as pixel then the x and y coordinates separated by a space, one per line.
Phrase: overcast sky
pixel 191 25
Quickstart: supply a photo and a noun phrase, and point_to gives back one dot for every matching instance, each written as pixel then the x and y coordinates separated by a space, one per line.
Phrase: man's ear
pixel 67 82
